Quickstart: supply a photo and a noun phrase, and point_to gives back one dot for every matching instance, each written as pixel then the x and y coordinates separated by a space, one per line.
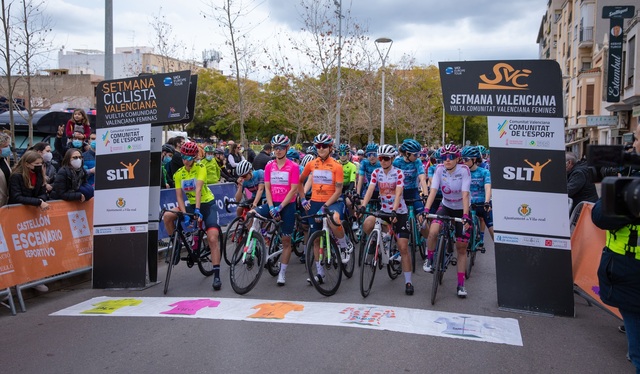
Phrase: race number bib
pixel 322 177
pixel 280 178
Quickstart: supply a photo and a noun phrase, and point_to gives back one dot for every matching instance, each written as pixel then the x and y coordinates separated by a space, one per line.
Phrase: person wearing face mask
pixel 71 181
pixel 218 156
pixel 89 160
pixel 212 166
pixel 167 154
pixel 5 169
pixel 44 149
pixel 27 181
pixel 76 141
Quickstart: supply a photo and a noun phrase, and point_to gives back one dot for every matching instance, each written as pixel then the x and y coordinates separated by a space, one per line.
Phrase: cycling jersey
pixel 213 170
pixel 257 178
pixel 324 178
pixel 281 179
pixel 479 178
pixel 431 170
pixel 452 184
pixel 186 180
pixel 411 171
pixel 366 168
pixel 349 170
pixel 387 183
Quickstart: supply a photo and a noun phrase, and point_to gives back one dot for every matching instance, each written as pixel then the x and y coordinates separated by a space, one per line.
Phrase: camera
pixel 620 195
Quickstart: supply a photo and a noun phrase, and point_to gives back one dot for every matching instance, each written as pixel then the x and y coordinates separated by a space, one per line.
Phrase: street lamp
pixel 338 4
pixel 464 130
pixel 383 57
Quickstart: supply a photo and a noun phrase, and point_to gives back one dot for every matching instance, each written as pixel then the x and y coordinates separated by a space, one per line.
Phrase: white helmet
pixel 387 150
pixel 243 168
pixel 306 159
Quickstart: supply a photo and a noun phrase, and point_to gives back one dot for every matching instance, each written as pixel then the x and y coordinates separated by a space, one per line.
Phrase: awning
pixel 619 107
pixel 576 142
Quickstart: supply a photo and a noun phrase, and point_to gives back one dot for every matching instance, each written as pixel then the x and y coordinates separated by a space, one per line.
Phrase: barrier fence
pixel 38 246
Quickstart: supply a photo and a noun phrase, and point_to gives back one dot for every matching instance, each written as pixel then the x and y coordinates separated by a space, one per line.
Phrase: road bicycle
pixel 196 244
pixel 372 206
pixel 475 244
pixel 250 255
pixel 445 253
pixel 327 274
pixel 417 243
pixel 235 230
pixel 376 256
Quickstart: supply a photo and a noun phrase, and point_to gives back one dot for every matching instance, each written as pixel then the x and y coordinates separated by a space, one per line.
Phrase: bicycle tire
pixel 174 250
pixel 361 246
pixel 245 275
pixel 205 263
pixel 332 269
pixel 471 257
pixel 273 264
pixel 348 268
pixel 472 248
pixel 438 268
pixel 297 239
pixel 234 235
pixel 413 247
pixel 369 264
pixel 394 267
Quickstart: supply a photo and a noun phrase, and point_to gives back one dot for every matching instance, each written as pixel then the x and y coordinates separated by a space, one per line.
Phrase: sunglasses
pixel 188 158
pixel 412 154
pixel 322 146
pixel 384 158
pixel 372 154
pixel 448 157
pixel 423 155
pixel 279 147
pixel 466 159
pixel 344 153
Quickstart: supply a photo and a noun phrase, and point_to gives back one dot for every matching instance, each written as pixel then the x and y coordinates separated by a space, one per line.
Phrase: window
pixel 631 52
pixel 588 110
pixel 586 65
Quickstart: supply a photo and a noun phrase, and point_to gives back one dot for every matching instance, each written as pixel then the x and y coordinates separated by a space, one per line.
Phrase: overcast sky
pixel 428 30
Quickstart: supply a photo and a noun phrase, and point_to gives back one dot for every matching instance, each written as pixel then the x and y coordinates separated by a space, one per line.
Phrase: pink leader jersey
pixel 281 179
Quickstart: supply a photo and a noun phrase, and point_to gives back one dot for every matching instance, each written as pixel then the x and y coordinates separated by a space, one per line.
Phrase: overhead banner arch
pixel 523 102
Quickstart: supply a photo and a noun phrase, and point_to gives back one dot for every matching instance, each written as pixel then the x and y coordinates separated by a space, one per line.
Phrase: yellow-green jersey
pixel 213 170
pixel 186 180
pixel 349 170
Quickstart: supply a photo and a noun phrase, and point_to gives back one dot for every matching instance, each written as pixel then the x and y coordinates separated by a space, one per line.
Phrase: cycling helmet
pixel 189 149
pixel 436 154
pixel 482 150
pixel 209 149
pixel 243 168
pixel 360 152
pixel 344 148
pixel 323 139
pixel 470 152
pixel 218 151
pixel 168 148
pixel 312 150
pixel 306 159
pixel 450 149
pixel 280 140
pixel 387 150
pixel 411 146
pixel 292 154
pixel 372 147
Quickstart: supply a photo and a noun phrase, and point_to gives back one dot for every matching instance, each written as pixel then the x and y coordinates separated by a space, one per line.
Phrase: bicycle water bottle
pixel 195 240
pixel 386 239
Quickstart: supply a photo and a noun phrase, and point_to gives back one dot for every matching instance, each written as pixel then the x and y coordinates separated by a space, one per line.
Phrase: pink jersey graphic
pixel 281 179
pixel 367 315
pixel 191 307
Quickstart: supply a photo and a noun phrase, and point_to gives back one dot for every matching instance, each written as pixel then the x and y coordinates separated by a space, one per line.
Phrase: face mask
pixel 37 169
pixel 47 157
pixel 208 157
pixel 77 164
pixel 77 143
pixel 167 159
pixel 93 145
pixel 6 152
pixel 241 149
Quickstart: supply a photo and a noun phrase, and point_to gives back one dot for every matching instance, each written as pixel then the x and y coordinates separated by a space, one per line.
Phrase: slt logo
pixel 532 173
pixel 505 78
pixel 122 174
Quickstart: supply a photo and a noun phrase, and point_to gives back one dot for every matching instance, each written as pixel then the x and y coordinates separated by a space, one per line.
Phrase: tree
pixel 7 56
pixel 164 42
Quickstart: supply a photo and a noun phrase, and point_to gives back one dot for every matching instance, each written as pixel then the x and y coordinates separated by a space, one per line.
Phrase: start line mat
pixel 375 317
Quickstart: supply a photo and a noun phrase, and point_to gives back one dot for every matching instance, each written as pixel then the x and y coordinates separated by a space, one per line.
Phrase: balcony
pixel 586 37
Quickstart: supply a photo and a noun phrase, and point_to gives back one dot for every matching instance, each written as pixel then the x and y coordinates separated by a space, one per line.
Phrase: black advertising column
pixel 616 15
pixel 155 178
pixel 523 102
pixel 126 109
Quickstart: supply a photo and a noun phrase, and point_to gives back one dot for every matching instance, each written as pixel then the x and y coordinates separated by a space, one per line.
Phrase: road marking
pixel 367 316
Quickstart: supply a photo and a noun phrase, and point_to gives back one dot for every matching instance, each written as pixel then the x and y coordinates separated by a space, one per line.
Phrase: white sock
pixel 319 269
pixel 283 268
pixel 342 242
pixel 407 277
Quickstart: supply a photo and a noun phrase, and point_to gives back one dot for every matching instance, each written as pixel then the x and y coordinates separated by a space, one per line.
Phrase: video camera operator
pixel 619 270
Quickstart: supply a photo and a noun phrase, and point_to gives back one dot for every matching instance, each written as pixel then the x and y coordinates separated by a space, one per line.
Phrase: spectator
pixel 250 154
pixel 79 122
pixel 77 141
pixel 221 160
pixel 44 149
pixel 263 157
pixel 27 181
pixel 234 158
pixel 212 166
pixel 89 160
pixel 176 160
pixel 580 186
pixel 167 154
pixel 71 181
pixel 5 170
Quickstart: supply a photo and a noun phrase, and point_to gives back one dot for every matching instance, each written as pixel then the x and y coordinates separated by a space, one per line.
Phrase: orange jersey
pixel 325 175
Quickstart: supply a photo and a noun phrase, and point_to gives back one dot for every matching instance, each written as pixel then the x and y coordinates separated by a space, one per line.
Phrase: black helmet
pixel 168 148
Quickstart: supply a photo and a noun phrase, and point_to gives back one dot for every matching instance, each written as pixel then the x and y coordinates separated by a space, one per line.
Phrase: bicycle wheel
pixel 369 264
pixel 413 247
pixel 273 263
pixel 245 273
pixel 297 239
pixel 347 268
pixel 204 259
pixel 329 264
pixel 394 267
pixel 173 255
pixel 438 259
pixel 234 235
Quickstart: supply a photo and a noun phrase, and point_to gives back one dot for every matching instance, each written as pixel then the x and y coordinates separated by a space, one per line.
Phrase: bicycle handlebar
pixel 242 204
pixel 271 221
pixel 444 218
pixel 321 215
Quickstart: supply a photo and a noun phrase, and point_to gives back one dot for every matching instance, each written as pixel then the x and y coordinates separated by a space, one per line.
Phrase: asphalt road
pixel 38 343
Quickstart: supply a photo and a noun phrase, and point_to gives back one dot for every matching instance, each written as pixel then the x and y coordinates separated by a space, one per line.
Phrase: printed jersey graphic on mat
pixel 367 315
pixel 275 310
pixel 110 306
pixel 464 326
pixel 191 307
pixel 78 223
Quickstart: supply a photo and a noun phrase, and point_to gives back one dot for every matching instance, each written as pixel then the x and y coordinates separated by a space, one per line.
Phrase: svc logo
pixel 531 173
pixel 122 174
pixel 506 78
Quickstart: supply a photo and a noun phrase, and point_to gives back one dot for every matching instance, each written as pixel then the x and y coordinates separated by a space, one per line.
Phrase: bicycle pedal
pixel 454 261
